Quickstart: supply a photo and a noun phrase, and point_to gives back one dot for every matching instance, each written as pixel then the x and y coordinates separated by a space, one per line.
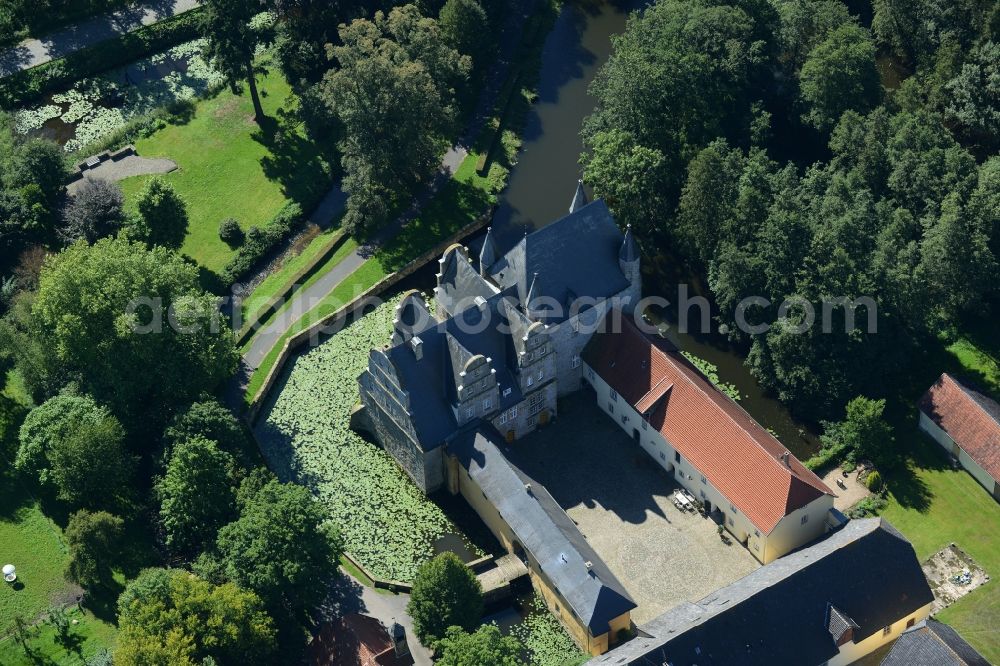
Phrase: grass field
pixel 935 505
pixel 231 167
pixel 276 281
pixel 31 542
pixel 85 639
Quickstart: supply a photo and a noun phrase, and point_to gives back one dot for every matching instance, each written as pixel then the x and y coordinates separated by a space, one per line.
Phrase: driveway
pixel 620 500
pixel 350 596
pixel 34 52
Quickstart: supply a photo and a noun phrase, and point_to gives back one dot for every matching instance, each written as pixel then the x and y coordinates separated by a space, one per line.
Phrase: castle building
pixel 509 335
pixel 504 341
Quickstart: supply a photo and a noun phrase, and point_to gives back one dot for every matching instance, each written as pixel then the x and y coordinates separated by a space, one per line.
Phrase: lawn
pixel 231 167
pixel 31 542
pixel 279 279
pixel 935 505
pixel 85 640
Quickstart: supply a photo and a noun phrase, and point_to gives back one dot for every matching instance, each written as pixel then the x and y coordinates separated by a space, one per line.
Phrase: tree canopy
pixel 445 594
pixel 484 647
pixel 95 543
pixel 172 617
pixel 196 495
pixel 231 40
pixel 839 75
pixel 394 95
pixel 280 546
pixel 133 327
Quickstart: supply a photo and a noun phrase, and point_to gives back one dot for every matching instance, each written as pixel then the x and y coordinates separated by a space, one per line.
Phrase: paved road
pixel 34 52
pixel 350 596
pixel 305 300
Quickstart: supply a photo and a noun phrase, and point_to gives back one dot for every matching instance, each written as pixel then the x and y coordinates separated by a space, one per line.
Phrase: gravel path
pixel 115 170
pixel 34 52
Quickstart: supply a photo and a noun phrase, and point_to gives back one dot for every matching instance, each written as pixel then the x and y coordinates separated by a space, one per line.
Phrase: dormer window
pixel 531 380
pixel 506 391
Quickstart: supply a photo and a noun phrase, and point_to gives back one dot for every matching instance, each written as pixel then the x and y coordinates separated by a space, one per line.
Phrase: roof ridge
pixel 973 394
pixel 719 409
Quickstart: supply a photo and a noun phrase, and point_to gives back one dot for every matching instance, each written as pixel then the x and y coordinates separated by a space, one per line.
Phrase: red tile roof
pixel 969 417
pixel 740 458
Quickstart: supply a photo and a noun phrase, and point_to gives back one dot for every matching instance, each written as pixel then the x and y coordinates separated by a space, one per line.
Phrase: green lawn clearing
pixel 229 166
pixel 84 640
pixel 15 389
pixel 935 505
pixel 32 543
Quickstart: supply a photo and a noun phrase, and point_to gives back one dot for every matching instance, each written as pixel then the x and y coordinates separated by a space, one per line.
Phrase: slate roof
pixel 777 614
pixel 969 417
pixel 838 623
pixel 574 257
pixel 741 459
pixel 931 643
pixel 595 595
pixel 432 380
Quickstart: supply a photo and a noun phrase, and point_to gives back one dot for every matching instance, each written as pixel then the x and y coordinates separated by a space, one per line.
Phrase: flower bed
pixel 387 522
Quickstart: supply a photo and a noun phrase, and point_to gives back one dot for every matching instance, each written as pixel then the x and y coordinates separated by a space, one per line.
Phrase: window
pixel 702 493
pixel 576 361
pixel 677 456
pixel 624 419
pixel 506 391
pixel 805 519
pixel 887 630
pixel 911 622
pixel 645 424
pixel 590 373
pixel 704 480
pixel 733 508
pixel 541 374
pixel 731 522
pixel 756 533
pixel 470 412
pixel 513 412
pixel 663 456
pixel 531 380
pixel 487 404
pixel 614 396
pixel 611 408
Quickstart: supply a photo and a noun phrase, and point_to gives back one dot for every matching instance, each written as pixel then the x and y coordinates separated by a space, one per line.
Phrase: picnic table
pixel 682 501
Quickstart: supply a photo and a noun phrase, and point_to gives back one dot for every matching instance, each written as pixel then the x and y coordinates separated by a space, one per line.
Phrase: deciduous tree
pixel 196 495
pixel 484 647
pixel 839 75
pixel 94 211
pixel 445 593
pixel 232 37
pixel 94 541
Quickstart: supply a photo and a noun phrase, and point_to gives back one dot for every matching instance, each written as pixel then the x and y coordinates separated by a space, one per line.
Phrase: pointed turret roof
pixel 579 198
pixel 630 249
pixel 489 254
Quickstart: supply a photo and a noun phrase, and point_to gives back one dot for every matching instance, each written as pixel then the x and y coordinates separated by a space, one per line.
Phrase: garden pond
pixel 96 107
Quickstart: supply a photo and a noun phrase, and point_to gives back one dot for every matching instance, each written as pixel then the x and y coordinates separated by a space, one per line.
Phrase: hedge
pixel 295 281
pixel 23 87
pixel 260 241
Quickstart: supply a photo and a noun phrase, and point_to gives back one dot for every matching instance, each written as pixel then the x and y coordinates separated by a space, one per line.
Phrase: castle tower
pixel 579 198
pixel 488 255
pixel 628 261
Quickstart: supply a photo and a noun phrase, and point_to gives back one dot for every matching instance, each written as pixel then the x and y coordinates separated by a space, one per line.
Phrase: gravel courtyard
pixel 620 499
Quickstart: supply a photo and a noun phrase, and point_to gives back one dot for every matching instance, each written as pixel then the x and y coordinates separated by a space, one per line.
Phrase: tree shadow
pixel 294 161
pixel 456 205
pixel 14 497
pixel 103 602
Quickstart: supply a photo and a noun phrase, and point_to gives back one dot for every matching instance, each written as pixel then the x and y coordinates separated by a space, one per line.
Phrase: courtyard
pixel 620 500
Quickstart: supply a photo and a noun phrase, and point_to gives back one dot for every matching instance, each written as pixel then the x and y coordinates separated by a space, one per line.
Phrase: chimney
pixel 785 459
pixel 417 345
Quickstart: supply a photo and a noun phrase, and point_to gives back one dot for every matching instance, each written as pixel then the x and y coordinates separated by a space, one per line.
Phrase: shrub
pixel 164 213
pixel 230 232
pixel 95 211
pixel 261 241
pixel 873 481
pixel 869 506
